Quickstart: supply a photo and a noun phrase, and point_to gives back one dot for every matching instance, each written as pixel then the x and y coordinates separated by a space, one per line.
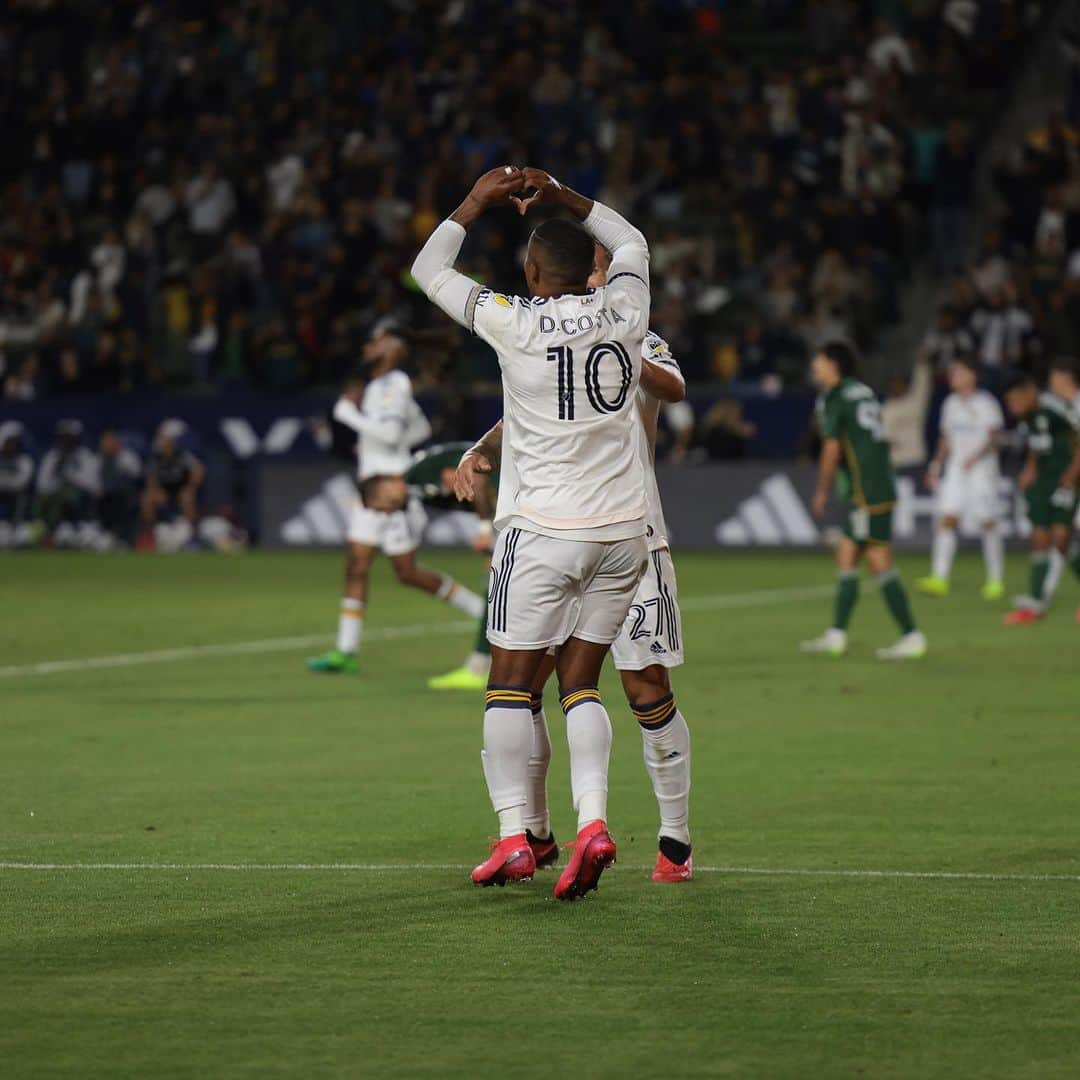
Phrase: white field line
pixel 754 599
pixel 235 648
pixel 735 871
pixel 385 633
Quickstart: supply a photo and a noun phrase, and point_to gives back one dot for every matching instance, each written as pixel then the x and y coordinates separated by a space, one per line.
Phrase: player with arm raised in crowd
pixel 389 422
pixel 1051 429
pixel 648 645
pixel 964 472
pixel 855 454
pixel 572 549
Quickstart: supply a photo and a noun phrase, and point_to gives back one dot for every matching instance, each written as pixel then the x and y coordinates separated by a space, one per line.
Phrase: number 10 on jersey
pixel 563 355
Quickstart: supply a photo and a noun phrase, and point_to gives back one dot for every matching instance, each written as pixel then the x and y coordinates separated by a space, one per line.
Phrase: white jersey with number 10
pixel 570 367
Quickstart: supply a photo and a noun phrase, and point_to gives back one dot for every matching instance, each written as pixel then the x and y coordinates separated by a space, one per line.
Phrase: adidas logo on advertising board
pixel 776 515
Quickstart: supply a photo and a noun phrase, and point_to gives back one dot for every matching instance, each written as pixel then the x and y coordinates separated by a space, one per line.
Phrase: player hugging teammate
pixel 573 504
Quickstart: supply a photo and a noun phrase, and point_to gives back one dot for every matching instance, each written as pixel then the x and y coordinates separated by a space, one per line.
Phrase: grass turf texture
pixel 963 762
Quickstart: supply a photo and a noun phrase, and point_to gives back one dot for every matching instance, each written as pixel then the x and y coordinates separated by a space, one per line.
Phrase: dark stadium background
pixel 206 208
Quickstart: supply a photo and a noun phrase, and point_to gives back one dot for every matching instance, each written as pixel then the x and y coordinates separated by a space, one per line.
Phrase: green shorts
pixel 865 527
pixel 1043 510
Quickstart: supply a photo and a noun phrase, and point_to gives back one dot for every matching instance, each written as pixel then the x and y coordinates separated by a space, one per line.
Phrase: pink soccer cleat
pixel 594 852
pixel 667 872
pixel 511 859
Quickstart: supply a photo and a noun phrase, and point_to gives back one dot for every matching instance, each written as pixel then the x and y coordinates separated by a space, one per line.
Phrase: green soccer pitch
pixel 243 869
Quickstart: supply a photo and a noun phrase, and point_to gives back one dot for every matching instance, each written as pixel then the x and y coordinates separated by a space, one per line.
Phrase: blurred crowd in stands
pixel 200 194
pixel 120 494
pixel 1017 303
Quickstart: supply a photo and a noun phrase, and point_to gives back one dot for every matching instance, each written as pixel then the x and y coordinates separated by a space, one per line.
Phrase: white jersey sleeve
pixel 433 270
pixel 628 273
pixel 656 350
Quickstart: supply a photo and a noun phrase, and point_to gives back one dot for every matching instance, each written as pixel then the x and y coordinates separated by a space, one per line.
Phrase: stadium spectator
pixel 233 186
pixel 119 471
pixel 725 432
pixel 954 168
pixel 25 382
pixel 16 484
pixel 1004 332
pixel 170 497
pixel 66 483
pixel 945 341
pixel 904 415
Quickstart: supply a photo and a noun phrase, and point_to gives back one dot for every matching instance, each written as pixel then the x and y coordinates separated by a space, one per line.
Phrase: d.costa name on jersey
pixel 608 315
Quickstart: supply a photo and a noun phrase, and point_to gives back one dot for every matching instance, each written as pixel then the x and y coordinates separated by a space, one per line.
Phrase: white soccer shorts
pixel 544 591
pixel 970 495
pixel 395 533
pixel 652 631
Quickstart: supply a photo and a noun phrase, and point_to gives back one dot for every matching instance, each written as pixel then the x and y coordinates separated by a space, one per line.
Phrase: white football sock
pixel 1053 577
pixel 588 734
pixel 350 625
pixel 943 552
pixel 665 740
pixel 537 818
pixel 508 736
pixel 993 548
pixel 462 598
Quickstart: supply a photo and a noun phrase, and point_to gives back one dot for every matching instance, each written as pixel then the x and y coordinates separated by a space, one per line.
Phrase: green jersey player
pixel 431 479
pixel 1051 430
pixel 855 456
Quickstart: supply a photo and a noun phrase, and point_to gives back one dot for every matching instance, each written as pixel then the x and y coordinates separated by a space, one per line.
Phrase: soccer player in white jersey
pixel 648 645
pixel 389 423
pixel 964 472
pixel 572 516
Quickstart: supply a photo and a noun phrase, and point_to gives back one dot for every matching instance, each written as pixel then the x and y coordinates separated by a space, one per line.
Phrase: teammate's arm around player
pixel 662 382
pixel 480 459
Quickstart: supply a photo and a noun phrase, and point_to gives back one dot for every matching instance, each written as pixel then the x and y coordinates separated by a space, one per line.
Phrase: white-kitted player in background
pixel 572 515
pixel 965 474
pixel 389 423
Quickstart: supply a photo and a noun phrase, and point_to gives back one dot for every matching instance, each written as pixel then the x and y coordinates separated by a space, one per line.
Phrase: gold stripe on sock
pixel 578 696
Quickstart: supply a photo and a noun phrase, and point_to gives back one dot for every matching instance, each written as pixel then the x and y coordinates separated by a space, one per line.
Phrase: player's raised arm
pixel 433 269
pixel 663 382
pixel 388 428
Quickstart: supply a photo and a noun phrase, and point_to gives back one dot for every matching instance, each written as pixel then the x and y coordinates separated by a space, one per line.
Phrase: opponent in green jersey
pixel 850 413
pixel 1051 430
pixel 430 478
pixel 855 455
